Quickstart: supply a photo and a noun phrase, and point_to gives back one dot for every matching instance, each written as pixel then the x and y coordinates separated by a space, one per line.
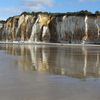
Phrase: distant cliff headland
pixel 70 27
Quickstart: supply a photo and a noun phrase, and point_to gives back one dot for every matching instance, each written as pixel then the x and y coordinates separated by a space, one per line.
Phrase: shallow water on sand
pixel 33 72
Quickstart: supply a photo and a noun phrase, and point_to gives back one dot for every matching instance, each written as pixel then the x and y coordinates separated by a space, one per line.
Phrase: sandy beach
pixel 32 72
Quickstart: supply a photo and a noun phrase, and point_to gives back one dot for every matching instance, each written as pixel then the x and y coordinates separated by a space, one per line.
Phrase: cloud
pixel 6 12
pixel 37 4
pixel 10 10
pixel 25 5
pixel 88 1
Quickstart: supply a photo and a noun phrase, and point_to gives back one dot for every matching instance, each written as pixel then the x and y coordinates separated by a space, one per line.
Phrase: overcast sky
pixel 14 7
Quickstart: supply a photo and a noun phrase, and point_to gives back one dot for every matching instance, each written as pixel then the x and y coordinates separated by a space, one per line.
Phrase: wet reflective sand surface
pixel 49 73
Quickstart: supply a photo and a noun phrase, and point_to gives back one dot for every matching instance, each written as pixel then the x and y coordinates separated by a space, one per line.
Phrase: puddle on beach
pixel 39 72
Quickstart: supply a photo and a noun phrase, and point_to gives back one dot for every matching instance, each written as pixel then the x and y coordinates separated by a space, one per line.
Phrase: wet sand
pixel 18 84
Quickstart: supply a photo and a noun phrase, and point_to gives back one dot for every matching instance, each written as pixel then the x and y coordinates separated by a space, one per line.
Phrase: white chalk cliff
pixel 42 27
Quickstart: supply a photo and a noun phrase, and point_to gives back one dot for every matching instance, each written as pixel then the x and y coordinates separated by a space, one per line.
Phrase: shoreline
pixel 44 43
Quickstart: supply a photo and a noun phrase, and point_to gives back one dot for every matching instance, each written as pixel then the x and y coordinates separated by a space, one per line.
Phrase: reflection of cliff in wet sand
pixel 69 61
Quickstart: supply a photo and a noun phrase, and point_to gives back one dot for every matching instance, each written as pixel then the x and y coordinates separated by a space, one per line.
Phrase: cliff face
pixel 52 28
pixel 1 28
